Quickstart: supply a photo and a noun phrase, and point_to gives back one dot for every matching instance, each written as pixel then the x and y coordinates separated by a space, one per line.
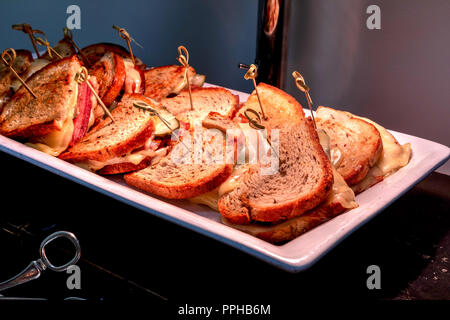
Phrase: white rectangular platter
pixel 294 256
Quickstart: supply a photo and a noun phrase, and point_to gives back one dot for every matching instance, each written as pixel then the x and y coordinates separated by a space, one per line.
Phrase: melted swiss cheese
pixel 57 141
pixel 393 157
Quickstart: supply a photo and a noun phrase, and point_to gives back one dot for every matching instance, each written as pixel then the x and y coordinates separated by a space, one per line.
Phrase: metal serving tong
pixel 35 268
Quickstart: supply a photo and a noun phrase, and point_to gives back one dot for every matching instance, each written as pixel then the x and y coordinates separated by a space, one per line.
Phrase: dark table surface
pixel 128 254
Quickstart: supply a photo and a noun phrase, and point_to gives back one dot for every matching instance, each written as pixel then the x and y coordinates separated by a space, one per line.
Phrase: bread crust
pixel 295 227
pixel 357 166
pixel 184 191
pixel 125 167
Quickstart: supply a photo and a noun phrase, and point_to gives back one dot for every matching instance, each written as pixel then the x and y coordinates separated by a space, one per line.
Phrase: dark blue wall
pixel 218 34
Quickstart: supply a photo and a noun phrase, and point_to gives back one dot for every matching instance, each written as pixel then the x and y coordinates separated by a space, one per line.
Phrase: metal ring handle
pixel 56 235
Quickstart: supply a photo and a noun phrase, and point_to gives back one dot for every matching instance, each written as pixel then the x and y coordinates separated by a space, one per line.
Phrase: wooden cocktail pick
pixel 301 85
pixel 83 76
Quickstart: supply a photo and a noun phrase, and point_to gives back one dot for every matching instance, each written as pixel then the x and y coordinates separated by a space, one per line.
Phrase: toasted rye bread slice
pixel 205 100
pixel 110 74
pixel 357 142
pixel 160 82
pixel 339 200
pixel 96 51
pixel 174 179
pixel 132 127
pixel 304 178
pixel 54 85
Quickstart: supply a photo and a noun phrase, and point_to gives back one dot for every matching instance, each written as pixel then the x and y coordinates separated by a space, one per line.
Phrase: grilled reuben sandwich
pixel 192 175
pixel 127 144
pixel 205 100
pixel 161 82
pixel 59 116
pixel 363 152
pixel 186 177
pixel 304 177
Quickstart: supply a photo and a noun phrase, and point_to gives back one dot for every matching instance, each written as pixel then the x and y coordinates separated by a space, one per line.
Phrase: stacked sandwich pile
pixel 275 181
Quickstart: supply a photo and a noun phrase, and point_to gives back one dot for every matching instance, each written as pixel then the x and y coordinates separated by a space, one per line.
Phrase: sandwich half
pixel 60 115
pixel 121 146
pixel 192 175
pixel 363 152
pixel 182 176
pixel 305 192
pixel 304 178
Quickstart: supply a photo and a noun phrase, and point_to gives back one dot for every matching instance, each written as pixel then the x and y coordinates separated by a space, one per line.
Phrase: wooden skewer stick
pixel 126 36
pixel 252 73
pixel 83 76
pixel 144 106
pixel 10 54
pixel 68 35
pixel 301 85
pixel 183 58
pixel 26 28
pixel 50 50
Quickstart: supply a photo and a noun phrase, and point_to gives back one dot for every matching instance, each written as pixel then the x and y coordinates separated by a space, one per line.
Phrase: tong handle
pixel 33 271
pixel 35 268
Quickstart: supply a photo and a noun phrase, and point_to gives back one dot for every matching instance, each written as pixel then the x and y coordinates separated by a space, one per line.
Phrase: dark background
pixel 398 76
